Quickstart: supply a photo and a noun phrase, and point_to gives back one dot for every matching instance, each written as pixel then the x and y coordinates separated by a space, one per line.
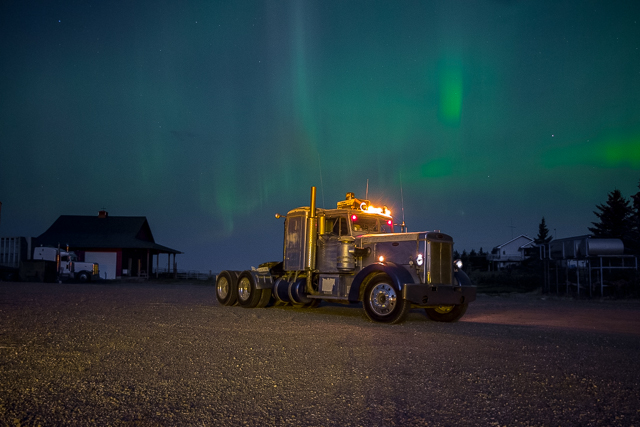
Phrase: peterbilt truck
pixel 351 254
pixel 69 267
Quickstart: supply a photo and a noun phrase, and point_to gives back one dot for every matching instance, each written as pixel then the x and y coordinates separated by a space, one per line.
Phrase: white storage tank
pixel 596 247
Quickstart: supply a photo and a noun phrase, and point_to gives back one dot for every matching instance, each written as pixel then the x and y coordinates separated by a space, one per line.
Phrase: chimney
pixel 103 214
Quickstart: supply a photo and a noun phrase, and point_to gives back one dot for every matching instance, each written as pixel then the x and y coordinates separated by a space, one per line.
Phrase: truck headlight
pixel 458 263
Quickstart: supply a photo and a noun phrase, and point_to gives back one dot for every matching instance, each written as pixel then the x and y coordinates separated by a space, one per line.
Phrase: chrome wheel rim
pixel 244 289
pixel 223 287
pixel 383 299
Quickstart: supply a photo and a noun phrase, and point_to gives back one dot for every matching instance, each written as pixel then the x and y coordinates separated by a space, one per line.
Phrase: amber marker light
pixel 382 211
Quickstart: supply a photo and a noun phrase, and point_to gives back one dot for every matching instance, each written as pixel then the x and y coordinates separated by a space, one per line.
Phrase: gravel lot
pixel 168 354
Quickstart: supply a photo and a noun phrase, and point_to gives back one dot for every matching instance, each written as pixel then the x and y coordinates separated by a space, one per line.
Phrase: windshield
pixel 368 224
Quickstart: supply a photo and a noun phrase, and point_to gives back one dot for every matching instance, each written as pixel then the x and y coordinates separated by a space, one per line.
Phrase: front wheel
pixel 83 277
pixel 383 301
pixel 446 313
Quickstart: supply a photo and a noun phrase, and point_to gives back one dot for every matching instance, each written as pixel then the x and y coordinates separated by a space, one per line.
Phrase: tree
pixel 615 218
pixel 634 219
pixel 543 234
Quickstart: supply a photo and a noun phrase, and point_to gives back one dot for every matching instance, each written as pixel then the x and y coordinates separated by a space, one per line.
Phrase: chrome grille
pixel 440 262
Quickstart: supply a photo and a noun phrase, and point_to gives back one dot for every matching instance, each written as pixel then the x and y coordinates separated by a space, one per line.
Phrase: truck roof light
pixel 353 202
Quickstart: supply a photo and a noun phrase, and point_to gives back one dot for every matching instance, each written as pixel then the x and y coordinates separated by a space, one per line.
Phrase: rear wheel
pixel 248 295
pixel 383 301
pixel 265 298
pixel 226 286
pixel 446 313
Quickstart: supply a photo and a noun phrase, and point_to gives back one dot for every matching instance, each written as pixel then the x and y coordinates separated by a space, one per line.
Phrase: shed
pixel 121 245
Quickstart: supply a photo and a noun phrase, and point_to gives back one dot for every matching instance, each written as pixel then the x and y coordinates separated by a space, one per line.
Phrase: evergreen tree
pixel 543 234
pixel 615 218
pixel 472 253
pixel 634 218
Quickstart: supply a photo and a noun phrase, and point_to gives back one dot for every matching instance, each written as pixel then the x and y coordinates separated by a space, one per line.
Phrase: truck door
pixel 64 264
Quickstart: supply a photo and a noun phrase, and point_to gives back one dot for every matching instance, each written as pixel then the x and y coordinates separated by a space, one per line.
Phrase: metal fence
pixel 185 274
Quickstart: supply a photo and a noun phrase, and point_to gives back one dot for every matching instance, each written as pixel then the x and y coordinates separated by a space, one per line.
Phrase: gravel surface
pixel 169 354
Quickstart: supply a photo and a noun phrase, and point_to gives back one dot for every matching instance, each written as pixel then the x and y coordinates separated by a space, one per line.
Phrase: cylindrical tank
pixel 346 260
pixel 322 224
pixel 297 292
pixel 595 247
pixel 281 290
pixel 327 253
pixel 563 249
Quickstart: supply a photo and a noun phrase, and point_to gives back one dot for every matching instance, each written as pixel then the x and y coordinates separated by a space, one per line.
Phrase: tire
pixel 265 299
pixel 446 313
pixel 383 301
pixel 248 295
pixel 226 288
pixel 83 277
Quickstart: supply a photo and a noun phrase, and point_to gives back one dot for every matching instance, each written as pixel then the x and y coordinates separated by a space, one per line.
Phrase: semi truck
pixel 19 262
pixel 69 268
pixel 352 255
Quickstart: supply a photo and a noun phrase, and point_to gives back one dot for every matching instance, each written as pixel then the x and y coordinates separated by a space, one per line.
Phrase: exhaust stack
pixel 312 239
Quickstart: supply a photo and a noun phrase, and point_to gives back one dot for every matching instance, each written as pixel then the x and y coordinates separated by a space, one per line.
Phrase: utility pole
pixel 511 227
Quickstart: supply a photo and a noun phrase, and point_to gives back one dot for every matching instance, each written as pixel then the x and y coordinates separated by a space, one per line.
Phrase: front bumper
pixel 432 295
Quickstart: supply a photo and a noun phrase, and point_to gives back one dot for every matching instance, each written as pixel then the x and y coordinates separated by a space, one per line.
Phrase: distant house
pixel 511 253
pixel 121 245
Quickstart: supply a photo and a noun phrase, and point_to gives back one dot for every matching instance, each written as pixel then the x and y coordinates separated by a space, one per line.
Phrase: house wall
pixel 107 263
pixel 511 250
pixel 509 254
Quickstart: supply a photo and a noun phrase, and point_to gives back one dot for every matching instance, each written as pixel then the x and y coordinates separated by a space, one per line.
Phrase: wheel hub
pixel 244 289
pixel 383 299
pixel 443 309
pixel 223 288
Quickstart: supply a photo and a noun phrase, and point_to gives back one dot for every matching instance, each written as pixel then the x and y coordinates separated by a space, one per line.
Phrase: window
pixel 338 226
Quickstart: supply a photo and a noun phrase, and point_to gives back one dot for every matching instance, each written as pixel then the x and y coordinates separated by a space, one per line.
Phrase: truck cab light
pixel 381 258
pixel 354 217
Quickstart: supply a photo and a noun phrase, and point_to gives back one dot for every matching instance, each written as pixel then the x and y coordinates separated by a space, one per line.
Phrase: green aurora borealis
pixel 210 117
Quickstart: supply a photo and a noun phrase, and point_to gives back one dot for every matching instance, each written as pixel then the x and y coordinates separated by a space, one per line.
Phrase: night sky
pixel 209 117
